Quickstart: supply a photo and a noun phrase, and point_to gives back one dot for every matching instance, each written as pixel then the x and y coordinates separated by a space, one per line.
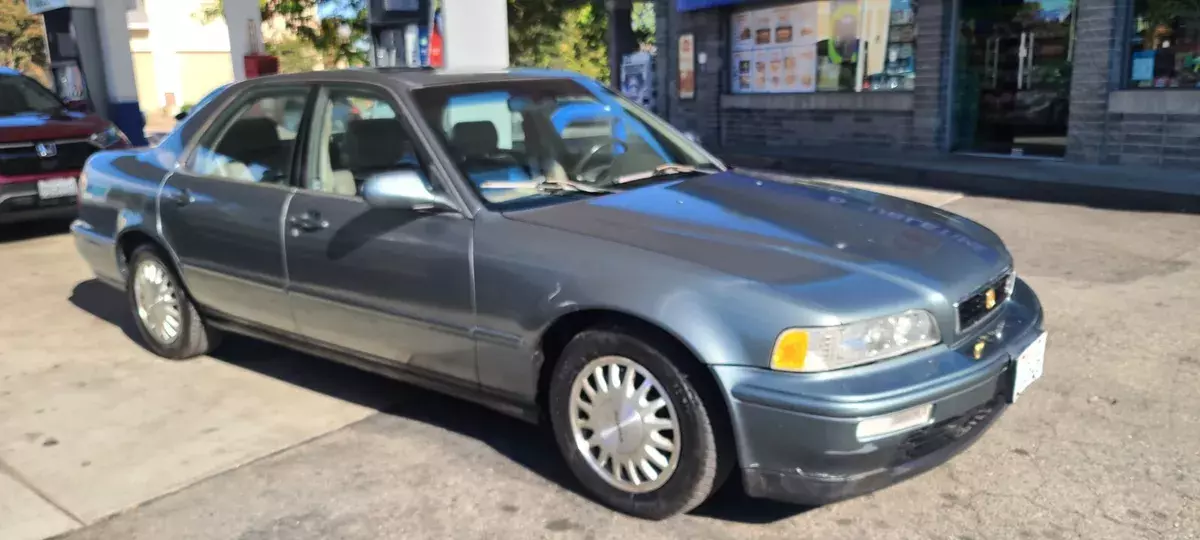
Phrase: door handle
pixel 183 198
pixel 308 222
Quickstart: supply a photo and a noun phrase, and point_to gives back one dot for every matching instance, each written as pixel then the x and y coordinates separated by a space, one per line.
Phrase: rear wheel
pixel 165 316
pixel 631 426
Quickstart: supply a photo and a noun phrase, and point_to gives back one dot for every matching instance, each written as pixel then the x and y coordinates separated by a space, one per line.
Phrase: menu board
pixel 824 46
pixel 774 49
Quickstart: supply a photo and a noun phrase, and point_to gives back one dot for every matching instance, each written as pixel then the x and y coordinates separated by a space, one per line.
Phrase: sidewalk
pixel 1107 186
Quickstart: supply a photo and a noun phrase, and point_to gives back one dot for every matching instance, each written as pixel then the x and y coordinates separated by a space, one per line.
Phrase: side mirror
pixel 403 189
pixel 179 117
pixel 78 106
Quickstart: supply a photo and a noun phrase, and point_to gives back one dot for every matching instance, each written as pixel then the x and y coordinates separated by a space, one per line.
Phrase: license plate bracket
pixel 1027 367
pixel 57 188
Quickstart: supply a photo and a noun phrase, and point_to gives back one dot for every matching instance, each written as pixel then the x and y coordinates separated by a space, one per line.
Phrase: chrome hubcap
pixel 624 424
pixel 157 302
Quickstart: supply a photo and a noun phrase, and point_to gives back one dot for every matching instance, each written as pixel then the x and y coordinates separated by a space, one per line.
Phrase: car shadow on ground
pixel 31 230
pixel 527 445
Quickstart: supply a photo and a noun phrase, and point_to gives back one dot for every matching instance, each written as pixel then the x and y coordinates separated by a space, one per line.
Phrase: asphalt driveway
pixel 99 439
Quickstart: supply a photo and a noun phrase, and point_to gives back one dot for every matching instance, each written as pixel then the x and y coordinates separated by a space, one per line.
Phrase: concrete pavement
pixel 1105 446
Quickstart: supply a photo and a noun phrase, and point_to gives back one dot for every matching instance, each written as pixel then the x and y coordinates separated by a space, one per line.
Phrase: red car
pixel 43 144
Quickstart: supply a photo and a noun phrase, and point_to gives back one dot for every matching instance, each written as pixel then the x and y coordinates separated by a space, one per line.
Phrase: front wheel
pixel 165 316
pixel 631 426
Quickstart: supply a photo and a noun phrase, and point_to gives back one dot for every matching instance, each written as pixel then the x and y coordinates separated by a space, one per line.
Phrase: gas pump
pixel 76 66
pixel 403 33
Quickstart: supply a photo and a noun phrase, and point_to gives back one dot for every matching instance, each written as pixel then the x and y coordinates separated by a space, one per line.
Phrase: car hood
pixel 788 234
pixel 41 127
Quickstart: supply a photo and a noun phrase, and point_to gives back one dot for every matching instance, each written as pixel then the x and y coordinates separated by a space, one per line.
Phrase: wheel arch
pixel 560 332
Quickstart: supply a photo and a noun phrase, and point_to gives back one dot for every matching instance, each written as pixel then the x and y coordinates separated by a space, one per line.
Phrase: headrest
pixel 475 138
pixel 376 143
pixel 251 134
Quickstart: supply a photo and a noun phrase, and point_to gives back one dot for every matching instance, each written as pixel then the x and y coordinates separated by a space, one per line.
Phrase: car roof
pixel 414 78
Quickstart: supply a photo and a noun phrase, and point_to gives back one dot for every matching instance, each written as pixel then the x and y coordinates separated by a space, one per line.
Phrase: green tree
pixel 295 55
pixel 559 34
pixel 337 38
pixel 644 22
pixel 22 40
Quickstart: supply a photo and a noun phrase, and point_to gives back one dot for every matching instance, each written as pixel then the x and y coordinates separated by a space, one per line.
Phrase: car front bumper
pixel 19 200
pixel 796 433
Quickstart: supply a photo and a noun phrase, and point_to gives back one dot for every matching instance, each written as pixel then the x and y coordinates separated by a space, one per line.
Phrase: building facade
pixel 179 55
pixel 1113 82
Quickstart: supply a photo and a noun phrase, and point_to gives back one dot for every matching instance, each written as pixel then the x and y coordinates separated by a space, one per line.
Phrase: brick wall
pixel 932 63
pixel 1099 46
pixel 779 130
pixel 1165 140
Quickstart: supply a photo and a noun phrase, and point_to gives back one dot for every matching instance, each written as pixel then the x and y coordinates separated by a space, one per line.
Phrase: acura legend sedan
pixel 531 241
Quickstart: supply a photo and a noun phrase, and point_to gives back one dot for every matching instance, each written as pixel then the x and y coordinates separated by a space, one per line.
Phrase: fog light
pixel 894 423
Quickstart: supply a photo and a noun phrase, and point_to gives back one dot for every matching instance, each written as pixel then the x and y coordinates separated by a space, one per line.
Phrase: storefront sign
pixel 692 5
pixel 687 66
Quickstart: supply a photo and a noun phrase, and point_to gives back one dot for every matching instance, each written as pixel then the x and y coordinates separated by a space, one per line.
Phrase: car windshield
pixel 22 95
pixel 515 138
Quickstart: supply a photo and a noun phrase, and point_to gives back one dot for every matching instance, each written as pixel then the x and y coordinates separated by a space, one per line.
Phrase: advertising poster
pixel 687 66
pixel 743 35
pixel 743 65
pixel 773 49
pixel 1143 66
pixel 759 84
pixel 774 70
pixel 635 78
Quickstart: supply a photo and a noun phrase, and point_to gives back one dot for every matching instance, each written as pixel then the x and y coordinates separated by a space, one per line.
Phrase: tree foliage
pixel 559 34
pixel 337 37
pixel 22 40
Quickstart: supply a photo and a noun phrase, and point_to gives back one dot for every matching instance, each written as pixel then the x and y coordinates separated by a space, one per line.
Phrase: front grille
pixel 930 439
pixel 975 308
pixel 24 160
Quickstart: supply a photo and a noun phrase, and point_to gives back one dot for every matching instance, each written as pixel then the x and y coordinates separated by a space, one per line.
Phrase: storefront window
pixel 1165 48
pixel 824 46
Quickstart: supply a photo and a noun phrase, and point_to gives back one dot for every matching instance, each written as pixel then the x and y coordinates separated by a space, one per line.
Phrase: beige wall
pixel 201 72
pixel 147 83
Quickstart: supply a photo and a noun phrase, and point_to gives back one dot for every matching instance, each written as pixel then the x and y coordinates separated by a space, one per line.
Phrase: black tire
pixel 195 338
pixel 705 451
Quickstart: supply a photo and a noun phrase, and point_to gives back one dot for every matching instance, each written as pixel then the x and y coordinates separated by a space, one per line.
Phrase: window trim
pixel 232 106
pixel 322 99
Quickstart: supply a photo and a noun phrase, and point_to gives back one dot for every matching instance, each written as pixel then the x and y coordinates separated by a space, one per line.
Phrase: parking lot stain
pixel 511 509
pixel 50 441
pixel 561 525
pixel 1021 452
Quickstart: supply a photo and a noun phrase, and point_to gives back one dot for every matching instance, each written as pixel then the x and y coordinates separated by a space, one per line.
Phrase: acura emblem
pixel 46 150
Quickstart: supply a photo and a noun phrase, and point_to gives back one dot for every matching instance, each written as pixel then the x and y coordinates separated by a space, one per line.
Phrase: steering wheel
pixel 592 152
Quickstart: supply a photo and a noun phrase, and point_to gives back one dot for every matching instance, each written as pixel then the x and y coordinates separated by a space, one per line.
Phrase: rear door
pixel 393 284
pixel 221 212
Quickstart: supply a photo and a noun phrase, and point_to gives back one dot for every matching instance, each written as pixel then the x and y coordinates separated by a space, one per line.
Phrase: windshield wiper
pixel 549 185
pixel 669 169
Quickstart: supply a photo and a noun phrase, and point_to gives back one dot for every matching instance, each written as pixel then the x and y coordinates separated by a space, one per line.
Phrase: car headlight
pixel 108 137
pixel 863 342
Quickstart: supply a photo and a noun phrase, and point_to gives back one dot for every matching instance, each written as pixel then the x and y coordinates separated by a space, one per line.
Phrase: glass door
pixel 1013 76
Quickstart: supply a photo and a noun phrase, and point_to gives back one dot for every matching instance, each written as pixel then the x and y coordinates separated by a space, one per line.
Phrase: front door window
pixel 1013 77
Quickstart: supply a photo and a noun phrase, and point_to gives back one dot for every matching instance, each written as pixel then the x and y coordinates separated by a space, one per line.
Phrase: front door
pixel 221 210
pixel 393 284
pixel 1013 76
